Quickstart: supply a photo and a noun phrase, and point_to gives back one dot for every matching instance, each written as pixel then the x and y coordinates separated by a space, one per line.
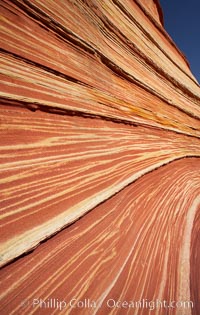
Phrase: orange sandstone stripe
pixel 54 169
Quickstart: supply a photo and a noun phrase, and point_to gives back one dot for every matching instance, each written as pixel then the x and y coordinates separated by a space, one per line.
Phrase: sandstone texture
pixel 100 161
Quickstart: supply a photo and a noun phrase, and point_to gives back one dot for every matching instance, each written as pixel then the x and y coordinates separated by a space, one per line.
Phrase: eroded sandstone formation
pixel 100 161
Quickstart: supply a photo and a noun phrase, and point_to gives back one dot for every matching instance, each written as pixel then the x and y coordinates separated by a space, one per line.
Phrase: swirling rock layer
pixel 100 161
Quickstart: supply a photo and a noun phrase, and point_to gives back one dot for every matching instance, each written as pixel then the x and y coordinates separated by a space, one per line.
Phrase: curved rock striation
pixel 100 161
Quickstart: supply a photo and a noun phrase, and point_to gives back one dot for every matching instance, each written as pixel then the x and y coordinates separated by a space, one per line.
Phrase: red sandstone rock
pixel 142 234
pixel 99 158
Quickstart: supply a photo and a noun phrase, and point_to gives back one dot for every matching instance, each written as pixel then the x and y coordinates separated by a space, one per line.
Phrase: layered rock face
pixel 100 161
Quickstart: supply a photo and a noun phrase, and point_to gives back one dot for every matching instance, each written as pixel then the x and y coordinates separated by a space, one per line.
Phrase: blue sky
pixel 182 22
